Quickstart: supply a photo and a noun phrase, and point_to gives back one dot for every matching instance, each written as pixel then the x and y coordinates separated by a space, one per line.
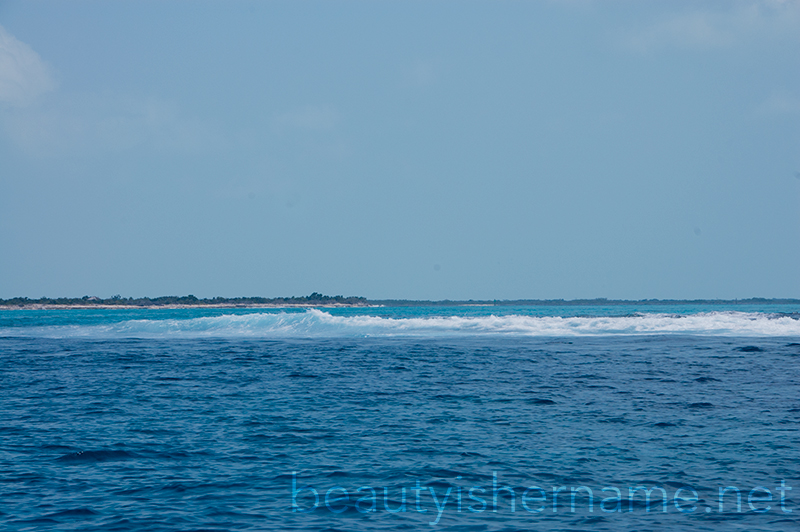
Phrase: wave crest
pixel 315 323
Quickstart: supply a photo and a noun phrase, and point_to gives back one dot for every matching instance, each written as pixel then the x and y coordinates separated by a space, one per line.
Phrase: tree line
pixel 190 300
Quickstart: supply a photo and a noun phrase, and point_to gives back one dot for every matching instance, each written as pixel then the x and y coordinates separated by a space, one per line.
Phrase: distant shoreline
pixel 37 306
pixel 316 300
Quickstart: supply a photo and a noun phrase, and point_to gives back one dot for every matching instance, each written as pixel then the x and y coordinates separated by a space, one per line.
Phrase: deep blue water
pixel 216 419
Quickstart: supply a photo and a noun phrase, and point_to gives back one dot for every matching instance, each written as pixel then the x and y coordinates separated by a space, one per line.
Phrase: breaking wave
pixel 315 323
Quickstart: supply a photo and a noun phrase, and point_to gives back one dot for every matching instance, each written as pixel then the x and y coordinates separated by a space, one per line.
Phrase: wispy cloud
pixel 80 123
pixel 421 74
pixel 311 118
pixel 710 29
pixel 23 74
pixel 779 103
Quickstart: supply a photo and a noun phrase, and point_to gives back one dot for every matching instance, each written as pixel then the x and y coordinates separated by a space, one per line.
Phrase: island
pixel 317 300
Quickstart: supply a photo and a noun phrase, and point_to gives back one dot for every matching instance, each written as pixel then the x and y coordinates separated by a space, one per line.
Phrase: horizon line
pixel 339 300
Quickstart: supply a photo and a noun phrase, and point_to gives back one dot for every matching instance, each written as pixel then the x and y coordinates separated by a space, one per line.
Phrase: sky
pixel 414 149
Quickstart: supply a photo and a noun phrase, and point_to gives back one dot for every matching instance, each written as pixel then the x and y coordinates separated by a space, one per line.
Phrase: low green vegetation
pixel 317 299
pixel 190 300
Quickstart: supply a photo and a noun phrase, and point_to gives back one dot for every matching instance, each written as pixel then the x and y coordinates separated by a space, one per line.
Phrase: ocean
pixel 669 417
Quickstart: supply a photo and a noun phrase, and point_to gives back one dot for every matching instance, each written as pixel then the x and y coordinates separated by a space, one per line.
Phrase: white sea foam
pixel 319 324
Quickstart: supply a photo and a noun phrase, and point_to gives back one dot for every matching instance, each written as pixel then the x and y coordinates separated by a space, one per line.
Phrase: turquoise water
pixel 464 418
pixel 769 320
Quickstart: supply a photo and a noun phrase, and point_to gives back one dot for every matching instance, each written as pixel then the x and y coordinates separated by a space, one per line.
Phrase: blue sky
pixel 560 149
